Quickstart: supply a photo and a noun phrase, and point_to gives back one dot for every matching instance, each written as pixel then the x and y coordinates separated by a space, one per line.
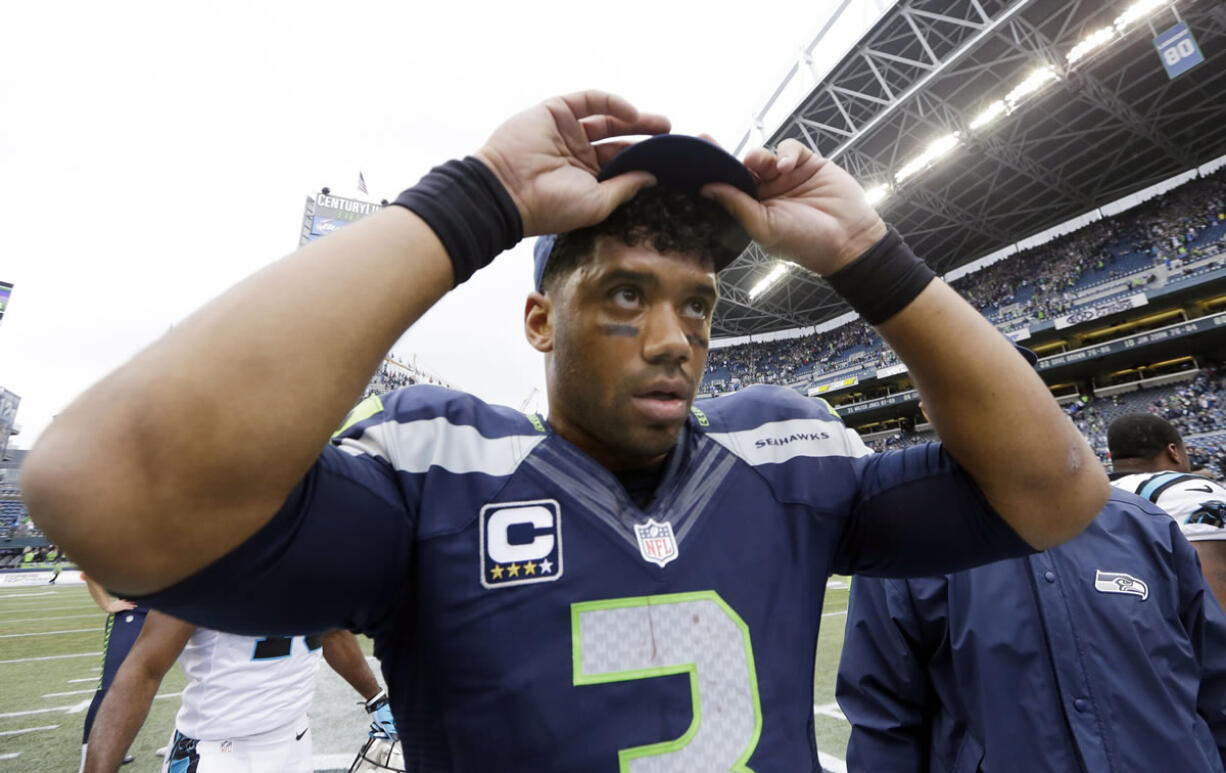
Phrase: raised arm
pixel 992 412
pixel 126 705
pixel 188 449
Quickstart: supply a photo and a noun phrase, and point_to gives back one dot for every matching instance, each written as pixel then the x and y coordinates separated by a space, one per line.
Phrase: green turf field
pixel 832 728
pixel 51 657
pixel 50 660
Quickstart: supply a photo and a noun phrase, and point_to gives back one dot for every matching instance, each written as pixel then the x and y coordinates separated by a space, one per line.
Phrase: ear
pixel 538 322
pixel 1172 453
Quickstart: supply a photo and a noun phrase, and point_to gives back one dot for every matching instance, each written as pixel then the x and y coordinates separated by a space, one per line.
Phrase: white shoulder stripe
pixel 779 441
pixel 416 446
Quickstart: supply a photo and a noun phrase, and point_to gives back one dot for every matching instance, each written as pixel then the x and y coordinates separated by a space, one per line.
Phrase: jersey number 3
pixel 679 633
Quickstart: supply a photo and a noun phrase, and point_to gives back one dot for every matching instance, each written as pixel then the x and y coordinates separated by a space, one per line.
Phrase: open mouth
pixel 662 405
pixel 658 395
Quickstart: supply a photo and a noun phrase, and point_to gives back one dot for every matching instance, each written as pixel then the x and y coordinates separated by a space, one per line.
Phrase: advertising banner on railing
pixel 1098 312
pixel 834 386
pixel 1139 340
pixel 892 370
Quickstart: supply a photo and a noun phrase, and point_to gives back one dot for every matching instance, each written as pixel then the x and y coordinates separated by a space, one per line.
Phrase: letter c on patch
pixel 500 548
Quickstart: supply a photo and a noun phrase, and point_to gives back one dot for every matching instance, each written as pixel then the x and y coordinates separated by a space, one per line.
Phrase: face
pixel 626 339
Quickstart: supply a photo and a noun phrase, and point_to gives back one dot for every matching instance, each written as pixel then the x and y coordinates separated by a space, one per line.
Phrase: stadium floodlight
pixel 989 114
pixel 1138 10
pixel 1090 43
pixel 1033 82
pixel 1104 35
pixel 935 150
pixel 768 281
pixel 875 195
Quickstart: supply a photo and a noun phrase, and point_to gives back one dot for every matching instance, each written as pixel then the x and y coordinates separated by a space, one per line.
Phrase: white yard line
pixel 834 614
pixel 53 657
pixel 60 609
pixel 51 617
pixel 31 712
pixel 10 756
pixel 47 633
pixel 25 595
pixel 86 679
pixel 837 585
pixel 829 761
pixel 29 730
pixel 66 694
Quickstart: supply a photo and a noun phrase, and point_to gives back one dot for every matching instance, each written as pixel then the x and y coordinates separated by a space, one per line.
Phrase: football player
pixel 1148 458
pixel 245 706
pixel 124 620
pixel 628 581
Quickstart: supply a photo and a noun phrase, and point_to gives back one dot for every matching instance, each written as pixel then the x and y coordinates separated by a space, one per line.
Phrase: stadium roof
pixel 1100 124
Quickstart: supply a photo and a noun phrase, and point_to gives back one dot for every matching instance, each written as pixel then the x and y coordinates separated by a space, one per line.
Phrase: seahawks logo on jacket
pixel 1118 582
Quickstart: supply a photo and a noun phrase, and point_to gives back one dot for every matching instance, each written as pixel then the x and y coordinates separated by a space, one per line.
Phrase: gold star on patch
pixel 529 568
pixel 496 572
pixel 513 570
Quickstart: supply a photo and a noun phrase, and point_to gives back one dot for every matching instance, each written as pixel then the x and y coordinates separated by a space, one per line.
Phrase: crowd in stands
pixel 786 360
pixel 387 378
pixel 392 374
pixel 1167 232
pixel 1197 408
pixel 32 557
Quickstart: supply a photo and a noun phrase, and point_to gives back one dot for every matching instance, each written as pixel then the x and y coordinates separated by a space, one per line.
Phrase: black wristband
pixel 375 703
pixel 882 281
pixel 469 209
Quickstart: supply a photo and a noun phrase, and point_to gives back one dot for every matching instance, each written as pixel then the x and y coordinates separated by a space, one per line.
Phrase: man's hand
pixel 382 724
pixel 115 606
pixel 545 158
pixel 811 211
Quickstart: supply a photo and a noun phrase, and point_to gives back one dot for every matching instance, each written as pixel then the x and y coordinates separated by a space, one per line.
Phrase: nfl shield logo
pixel 656 541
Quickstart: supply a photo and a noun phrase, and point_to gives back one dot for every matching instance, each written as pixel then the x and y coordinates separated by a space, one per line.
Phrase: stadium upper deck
pixel 981 123
pixel 1172 242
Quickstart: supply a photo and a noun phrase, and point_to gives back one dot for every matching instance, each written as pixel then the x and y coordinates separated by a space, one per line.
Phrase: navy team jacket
pixel 1105 654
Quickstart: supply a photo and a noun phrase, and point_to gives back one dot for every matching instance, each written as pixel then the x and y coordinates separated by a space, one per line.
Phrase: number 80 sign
pixel 1178 50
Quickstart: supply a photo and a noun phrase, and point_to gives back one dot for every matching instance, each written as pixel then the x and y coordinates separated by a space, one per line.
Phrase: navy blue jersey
pixel 120 634
pixel 529 616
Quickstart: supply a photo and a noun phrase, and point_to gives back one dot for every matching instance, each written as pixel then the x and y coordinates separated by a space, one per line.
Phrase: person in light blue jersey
pixel 631 582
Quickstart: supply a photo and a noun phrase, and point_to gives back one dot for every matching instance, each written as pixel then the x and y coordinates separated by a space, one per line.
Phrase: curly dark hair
pixel 667 220
pixel 1140 436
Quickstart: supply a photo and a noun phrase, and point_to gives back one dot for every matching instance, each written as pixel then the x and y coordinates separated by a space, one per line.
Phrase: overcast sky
pixel 153 154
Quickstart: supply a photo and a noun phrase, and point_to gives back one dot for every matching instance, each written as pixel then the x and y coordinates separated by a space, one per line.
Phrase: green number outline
pixel 624 756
